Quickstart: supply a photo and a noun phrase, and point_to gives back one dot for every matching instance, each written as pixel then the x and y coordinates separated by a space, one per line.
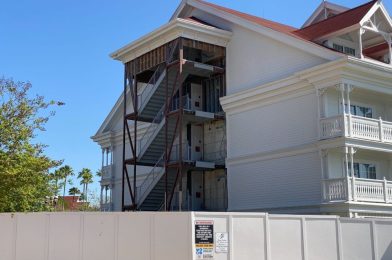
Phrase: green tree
pixel 24 168
pixel 55 179
pixel 73 191
pixel 65 172
pixel 99 173
pixel 86 177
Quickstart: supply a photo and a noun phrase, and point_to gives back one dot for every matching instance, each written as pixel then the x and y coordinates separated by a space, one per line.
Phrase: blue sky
pixel 62 47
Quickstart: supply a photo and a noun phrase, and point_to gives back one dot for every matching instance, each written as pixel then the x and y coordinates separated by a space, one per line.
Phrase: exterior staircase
pixel 152 144
pixel 152 190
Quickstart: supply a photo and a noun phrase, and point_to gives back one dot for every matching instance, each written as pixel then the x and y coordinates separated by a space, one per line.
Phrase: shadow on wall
pixel 388 253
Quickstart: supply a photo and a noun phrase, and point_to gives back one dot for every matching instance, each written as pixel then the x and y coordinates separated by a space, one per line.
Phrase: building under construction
pixel 223 110
pixel 175 89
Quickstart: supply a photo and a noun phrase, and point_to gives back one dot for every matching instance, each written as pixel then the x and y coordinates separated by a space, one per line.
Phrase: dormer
pixel 363 32
pixel 324 11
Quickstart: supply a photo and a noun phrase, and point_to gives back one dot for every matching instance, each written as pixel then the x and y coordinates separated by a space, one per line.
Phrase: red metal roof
pixel 376 49
pixel 335 23
pixel 264 22
pixel 311 32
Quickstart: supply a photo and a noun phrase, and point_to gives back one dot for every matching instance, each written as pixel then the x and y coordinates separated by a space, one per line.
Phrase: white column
pixel 111 196
pixel 348 180
pixel 323 174
pixel 107 156
pixel 106 194
pixel 348 90
pixel 360 31
pixel 111 155
pixel 101 197
pixel 346 161
pixel 103 157
pixel 342 90
pixel 353 189
pixel 321 112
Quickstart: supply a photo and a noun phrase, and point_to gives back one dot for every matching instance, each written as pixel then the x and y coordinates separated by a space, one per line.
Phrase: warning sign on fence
pixel 222 242
pixel 204 239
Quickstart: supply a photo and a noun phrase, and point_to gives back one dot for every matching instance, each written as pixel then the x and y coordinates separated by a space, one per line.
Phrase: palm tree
pixel 73 191
pixel 65 171
pixel 56 176
pixel 99 173
pixel 86 177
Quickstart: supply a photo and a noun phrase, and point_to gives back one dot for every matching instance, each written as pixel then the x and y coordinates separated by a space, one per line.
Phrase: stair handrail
pixel 150 85
pixel 171 53
pixel 155 77
pixel 151 176
pixel 158 119
pixel 151 128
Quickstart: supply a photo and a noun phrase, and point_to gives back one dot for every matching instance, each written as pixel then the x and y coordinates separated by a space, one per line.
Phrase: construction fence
pixel 191 235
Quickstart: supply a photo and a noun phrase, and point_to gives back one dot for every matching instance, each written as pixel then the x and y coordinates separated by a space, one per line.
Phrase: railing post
pixel 348 185
pixel 380 127
pixel 385 186
pixel 353 188
pixel 350 125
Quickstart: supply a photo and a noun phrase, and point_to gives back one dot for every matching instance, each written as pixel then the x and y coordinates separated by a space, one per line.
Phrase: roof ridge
pixel 337 15
pixel 226 9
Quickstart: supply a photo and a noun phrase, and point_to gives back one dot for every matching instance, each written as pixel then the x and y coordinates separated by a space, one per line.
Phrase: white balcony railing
pixel 357 189
pixel 106 206
pixel 356 127
pixel 107 172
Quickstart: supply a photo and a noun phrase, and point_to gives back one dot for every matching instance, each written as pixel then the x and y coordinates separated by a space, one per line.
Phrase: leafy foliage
pixel 86 177
pixel 24 168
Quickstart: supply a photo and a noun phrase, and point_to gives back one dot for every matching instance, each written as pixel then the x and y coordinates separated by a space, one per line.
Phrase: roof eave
pixel 338 33
pixel 178 27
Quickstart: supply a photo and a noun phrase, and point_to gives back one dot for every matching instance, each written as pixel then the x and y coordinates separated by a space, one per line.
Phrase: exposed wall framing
pixel 171 59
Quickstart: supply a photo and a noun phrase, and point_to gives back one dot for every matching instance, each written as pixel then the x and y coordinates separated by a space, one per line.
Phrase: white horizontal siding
pixel 284 124
pixel 282 182
pixel 253 59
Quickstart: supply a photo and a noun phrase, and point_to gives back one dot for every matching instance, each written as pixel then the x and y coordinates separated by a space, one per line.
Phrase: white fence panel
pixel 254 230
pixel 7 236
pixel 285 238
pixel 325 229
pixel 64 236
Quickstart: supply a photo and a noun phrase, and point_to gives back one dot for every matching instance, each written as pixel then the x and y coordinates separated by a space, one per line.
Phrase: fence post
pixel 380 126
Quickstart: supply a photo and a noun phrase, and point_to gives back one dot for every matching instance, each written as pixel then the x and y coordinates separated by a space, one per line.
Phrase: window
pixel 338 47
pixel 361 111
pixel 349 51
pixel 363 170
pixel 344 49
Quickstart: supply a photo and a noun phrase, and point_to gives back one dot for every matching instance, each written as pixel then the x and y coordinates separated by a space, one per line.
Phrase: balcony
pixel 356 127
pixel 357 190
pixel 106 206
pixel 107 173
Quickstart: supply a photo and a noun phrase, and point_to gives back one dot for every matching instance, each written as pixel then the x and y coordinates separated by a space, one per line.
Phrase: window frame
pixel 357 173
